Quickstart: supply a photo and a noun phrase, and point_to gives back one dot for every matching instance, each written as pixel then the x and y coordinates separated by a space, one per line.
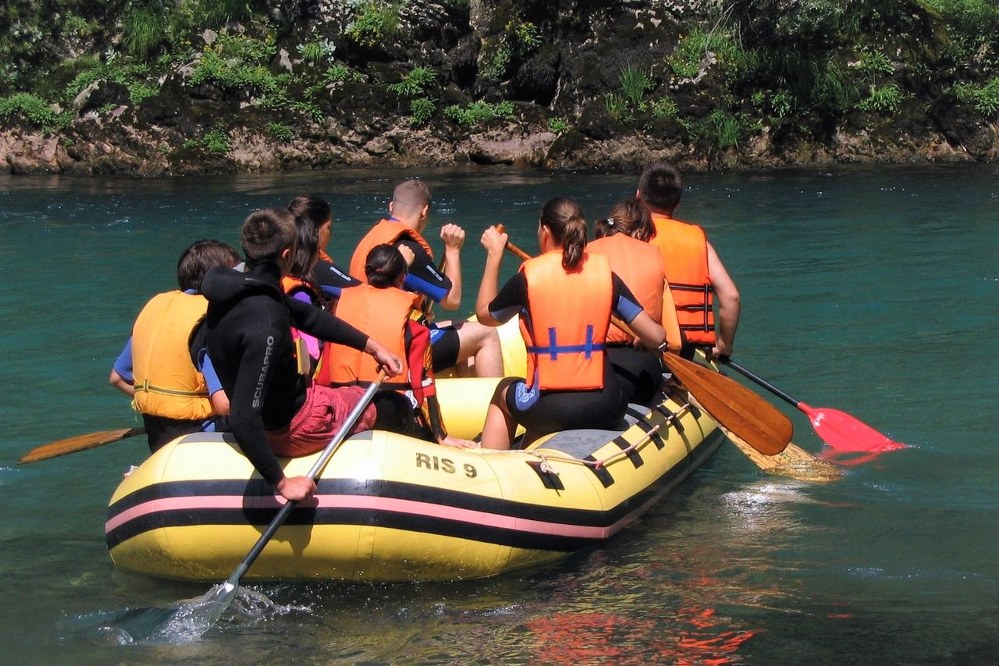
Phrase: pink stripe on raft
pixel 199 502
pixel 377 504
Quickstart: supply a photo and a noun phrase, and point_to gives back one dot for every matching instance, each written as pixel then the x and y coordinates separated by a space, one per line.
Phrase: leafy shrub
pixel 421 110
pixel 280 131
pixel 518 40
pixel 720 129
pixel 414 83
pixel 635 83
pixel 376 21
pixel 216 141
pixel 28 108
pixel 685 61
pixel 882 99
pixel 985 98
pixel 664 108
pixel 874 63
pixel 145 29
pixel 479 112
pixel 558 125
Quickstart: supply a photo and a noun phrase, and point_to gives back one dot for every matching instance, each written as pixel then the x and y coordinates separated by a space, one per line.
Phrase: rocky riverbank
pixel 514 82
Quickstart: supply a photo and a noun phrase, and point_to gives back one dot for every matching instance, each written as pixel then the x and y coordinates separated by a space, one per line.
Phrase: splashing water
pixel 183 621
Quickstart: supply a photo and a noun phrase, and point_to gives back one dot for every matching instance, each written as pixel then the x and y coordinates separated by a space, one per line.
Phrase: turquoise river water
pixel 871 290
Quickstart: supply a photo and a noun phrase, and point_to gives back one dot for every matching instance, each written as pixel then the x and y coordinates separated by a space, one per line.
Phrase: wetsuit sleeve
pixel 249 394
pixel 626 306
pixel 205 367
pixel 511 299
pixel 423 276
pixel 123 364
pixel 321 324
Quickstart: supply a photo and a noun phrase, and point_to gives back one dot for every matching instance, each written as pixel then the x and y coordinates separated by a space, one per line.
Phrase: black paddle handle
pixel 759 380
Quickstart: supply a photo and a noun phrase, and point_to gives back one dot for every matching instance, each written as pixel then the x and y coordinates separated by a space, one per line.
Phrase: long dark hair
pixel 564 218
pixel 306 249
pixel 627 217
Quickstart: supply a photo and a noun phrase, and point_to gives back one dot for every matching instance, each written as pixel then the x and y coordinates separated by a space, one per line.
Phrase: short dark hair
pixel 660 187
pixel 200 256
pixel 266 232
pixel 384 265
pixel 410 196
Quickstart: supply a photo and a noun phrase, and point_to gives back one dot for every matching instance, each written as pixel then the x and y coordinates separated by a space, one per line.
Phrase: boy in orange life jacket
pixel 693 269
pixel 455 342
pixel 565 297
pixel 382 305
pixel 155 367
pixel 621 238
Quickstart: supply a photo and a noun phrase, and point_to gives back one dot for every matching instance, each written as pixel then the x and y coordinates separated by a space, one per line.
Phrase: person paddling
pixel 454 343
pixel 566 297
pixel 694 270
pixel 274 410
pixel 621 237
pixel 381 304
pixel 175 395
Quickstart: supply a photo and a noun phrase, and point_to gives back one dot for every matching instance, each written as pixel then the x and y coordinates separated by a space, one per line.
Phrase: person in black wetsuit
pixel 273 409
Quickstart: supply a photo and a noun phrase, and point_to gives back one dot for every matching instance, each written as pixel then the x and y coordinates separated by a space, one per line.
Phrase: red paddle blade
pixel 847 434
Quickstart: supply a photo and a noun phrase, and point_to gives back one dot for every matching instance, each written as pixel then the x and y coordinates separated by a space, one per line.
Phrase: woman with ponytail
pixel 565 298
pixel 623 237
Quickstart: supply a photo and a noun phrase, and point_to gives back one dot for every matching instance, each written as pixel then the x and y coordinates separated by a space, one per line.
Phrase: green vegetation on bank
pixel 794 68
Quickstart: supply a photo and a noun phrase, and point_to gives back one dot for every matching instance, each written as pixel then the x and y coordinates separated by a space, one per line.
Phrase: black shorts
pixel 161 430
pixel 639 371
pixel 444 347
pixel 551 411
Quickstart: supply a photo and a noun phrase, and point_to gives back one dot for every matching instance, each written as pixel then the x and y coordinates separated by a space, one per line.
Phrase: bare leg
pixel 498 429
pixel 479 349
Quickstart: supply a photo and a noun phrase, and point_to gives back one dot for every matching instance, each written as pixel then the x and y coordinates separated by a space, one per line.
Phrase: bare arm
pixel 495 243
pixel 121 383
pixel 728 304
pixel 453 237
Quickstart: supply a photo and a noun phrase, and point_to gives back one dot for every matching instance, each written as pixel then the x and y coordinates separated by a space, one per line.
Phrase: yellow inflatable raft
pixel 393 508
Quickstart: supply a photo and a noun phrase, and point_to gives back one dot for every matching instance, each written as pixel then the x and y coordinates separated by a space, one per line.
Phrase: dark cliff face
pixel 561 85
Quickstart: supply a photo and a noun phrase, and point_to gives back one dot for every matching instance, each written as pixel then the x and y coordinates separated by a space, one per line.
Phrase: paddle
pixel 839 430
pixel 79 443
pixel 209 607
pixel 752 418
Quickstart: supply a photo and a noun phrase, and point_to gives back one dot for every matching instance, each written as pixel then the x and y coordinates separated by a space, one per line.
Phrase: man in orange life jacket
pixel 695 273
pixel 156 367
pixel 454 342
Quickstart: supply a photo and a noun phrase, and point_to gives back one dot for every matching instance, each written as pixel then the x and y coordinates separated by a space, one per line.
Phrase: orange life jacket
pixel 386 231
pixel 684 248
pixel 640 267
pixel 166 381
pixel 565 328
pixel 384 311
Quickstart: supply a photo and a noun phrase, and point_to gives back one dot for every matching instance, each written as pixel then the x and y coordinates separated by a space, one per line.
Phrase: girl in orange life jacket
pixel 565 298
pixel 622 237
pixel 382 305
pixel 298 284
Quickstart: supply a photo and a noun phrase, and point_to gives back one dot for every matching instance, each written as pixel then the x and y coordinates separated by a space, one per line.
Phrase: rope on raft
pixel 671 419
